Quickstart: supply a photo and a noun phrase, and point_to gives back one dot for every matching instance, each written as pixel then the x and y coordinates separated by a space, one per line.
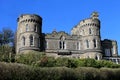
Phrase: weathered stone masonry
pixel 84 41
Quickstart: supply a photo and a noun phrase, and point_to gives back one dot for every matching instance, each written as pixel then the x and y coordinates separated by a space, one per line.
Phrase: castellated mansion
pixel 83 42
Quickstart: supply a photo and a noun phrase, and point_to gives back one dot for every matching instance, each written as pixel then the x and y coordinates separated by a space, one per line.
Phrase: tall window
pixel 94 43
pixel 60 45
pixel 23 41
pixel 31 40
pixel 63 45
pixel 90 31
pixel 87 43
pixel 78 45
pixel 107 52
pixel 27 27
pixel 35 28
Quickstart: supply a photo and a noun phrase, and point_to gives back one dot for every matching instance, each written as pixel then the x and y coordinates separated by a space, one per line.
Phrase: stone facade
pixel 28 33
pixel 84 41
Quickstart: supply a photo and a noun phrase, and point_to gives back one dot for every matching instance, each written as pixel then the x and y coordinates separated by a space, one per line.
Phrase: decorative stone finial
pixel 95 15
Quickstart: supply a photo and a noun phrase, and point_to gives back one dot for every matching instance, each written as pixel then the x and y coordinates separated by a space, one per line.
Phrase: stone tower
pixel 28 36
pixel 89 30
pixel 91 36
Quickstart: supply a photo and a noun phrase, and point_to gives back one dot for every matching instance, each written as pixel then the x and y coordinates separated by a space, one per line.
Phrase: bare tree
pixel 8 36
pixel 7 47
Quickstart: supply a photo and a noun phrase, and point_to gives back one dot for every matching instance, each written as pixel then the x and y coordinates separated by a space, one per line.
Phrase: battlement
pixel 29 18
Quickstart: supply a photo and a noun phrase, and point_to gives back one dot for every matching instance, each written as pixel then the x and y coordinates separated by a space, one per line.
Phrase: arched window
pixel 31 40
pixel 35 28
pixel 63 44
pixel 23 41
pixel 94 43
pixel 90 31
pixel 27 27
pixel 87 43
pixel 96 57
pixel 60 45
pixel 78 45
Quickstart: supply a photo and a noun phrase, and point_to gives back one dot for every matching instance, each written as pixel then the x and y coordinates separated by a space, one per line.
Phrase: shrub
pixel 6 53
pixel 39 59
pixel 46 62
pixel 30 58
pixel 72 63
pixel 61 62
pixel 109 64
pixel 10 71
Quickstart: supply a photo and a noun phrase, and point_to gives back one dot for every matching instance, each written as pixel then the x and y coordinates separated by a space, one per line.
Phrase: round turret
pixel 91 36
pixel 29 32
pixel 89 30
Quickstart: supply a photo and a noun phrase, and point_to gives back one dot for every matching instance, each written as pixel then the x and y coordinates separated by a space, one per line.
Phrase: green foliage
pixel 7 45
pixel 46 62
pixel 41 60
pixel 30 58
pixel 88 62
pixel 61 62
pixel 6 53
pixel 72 63
pixel 10 71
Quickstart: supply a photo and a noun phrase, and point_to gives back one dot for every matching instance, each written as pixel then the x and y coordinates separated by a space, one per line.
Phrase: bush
pixel 6 53
pixel 61 62
pixel 39 59
pixel 10 71
pixel 30 58
pixel 46 62
pixel 109 64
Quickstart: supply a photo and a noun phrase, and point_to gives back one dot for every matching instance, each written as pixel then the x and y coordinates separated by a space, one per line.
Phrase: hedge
pixel 41 60
pixel 15 71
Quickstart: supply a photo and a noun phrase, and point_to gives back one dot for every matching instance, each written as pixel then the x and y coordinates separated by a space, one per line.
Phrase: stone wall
pixel 84 41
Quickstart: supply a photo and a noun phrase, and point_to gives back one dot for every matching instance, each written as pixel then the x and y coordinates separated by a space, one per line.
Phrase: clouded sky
pixel 63 15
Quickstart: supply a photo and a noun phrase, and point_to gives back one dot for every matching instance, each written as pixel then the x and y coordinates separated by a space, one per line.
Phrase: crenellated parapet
pixel 29 18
